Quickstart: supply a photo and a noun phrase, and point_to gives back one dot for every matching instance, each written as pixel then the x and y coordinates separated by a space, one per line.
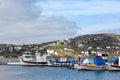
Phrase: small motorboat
pixel 62 62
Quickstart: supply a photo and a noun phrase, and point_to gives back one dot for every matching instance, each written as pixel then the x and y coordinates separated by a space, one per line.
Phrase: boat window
pixel 27 56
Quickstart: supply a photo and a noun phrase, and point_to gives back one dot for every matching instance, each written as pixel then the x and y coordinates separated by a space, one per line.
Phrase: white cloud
pixel 72 8
pixel 21 22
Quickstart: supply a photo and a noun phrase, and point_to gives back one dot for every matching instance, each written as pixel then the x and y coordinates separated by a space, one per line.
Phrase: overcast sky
pixel 37 21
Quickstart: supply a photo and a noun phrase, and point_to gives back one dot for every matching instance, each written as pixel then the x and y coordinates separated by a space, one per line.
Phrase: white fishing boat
pixel 115 66
pixel 40 60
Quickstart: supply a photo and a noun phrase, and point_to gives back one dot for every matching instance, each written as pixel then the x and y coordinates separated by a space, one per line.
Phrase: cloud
pixel 78 7
pixel 36 21
pixel 42 29
pixel 92 15
pixel 17 10
pixel 21 22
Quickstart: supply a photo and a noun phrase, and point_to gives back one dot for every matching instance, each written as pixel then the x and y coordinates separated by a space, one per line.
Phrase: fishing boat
pixel 40 60
pixel 62 62
pixel 115 66
pixel 97 64
pixel 90 67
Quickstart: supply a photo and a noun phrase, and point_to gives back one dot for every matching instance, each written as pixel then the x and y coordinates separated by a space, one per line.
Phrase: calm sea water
pixel 53 73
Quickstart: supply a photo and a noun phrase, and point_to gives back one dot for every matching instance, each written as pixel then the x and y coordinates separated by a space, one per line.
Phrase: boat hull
pixel 91 68
pixel 114 68
pixel 33 63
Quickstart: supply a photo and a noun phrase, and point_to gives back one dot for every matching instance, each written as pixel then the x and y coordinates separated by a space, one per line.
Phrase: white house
pixel 53 52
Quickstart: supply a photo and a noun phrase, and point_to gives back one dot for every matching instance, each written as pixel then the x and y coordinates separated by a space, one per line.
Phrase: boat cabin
pixel 104 56
pixel 63 59
pixel 40 57
pixel 27 57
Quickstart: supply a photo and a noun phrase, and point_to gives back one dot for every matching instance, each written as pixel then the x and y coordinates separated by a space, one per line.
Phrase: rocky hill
pixel 95 40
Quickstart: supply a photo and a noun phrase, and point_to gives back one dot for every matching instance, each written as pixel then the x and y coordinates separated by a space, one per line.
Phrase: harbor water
pixel 53 73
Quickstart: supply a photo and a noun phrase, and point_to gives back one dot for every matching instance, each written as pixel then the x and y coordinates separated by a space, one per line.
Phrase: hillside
pixel 70 47
pixel 105 42
pixel 95 40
